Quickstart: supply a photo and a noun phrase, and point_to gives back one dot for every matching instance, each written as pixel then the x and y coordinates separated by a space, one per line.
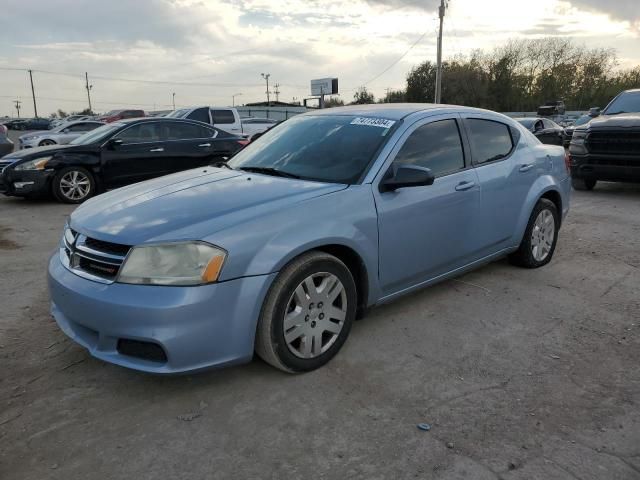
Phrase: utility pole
pixel 266 77
pixel 276 91
pixel 33 94
pixel 441 11
pixel 173 100
pixel 88 87
pixel 233 98
pixel 18 102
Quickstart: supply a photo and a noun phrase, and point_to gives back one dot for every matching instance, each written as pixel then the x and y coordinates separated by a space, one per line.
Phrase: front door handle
pixel 462 186
pixel 159 149
pixel 526 167
pixel 204 145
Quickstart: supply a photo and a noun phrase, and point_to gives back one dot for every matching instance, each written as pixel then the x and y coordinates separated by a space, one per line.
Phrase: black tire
pixel 524 257
pixel 46 143
pixel 583 183
pixel 270 343
pixel 58 190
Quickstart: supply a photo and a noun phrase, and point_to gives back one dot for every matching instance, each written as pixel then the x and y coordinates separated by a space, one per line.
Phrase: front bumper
pixel 25 183
pixel 196 327
pixel 615 168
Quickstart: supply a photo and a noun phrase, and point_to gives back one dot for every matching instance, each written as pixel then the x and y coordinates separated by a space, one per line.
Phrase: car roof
pixel 397 111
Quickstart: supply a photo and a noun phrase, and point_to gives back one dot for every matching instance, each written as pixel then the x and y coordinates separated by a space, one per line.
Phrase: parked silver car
pixel 61 135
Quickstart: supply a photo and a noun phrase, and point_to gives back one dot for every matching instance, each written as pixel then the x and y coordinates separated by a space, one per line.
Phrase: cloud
pixel 618 9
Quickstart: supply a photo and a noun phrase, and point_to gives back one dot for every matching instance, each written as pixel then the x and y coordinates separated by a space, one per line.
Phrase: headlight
pixel 578 137
pixel 36 164
pixel 188 263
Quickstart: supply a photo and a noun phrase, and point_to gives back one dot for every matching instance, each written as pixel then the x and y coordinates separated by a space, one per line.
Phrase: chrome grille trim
pixel 74 252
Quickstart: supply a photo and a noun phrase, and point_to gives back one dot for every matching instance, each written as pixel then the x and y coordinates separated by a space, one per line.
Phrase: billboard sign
pixel 324 86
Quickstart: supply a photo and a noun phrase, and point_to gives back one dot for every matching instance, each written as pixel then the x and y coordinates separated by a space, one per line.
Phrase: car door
pixel 191 145
pixel 506 169
pixel 553 133
pixel 427 231
pixel 134 154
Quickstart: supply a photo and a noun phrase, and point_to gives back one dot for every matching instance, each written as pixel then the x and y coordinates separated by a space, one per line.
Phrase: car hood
pixel 36 133
pixel 622 120
pixel 190 205
pixel 36 152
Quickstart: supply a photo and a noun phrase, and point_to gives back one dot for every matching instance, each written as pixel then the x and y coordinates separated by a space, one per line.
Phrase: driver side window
pixel 436 146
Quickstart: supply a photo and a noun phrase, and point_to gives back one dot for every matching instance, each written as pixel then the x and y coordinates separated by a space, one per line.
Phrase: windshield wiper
pixel 269 171
pixel 616 113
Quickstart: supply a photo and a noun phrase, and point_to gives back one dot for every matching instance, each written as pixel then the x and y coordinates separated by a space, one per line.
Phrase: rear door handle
pixel 462 186
pixel 159 149
pixel 526 167
pixel 204 145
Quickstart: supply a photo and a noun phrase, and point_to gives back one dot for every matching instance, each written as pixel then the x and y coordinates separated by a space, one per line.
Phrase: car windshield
pixel 526 122
pixel 97 135
pixel 325 148
pixel 582 120
pixel 178 113
pixel 627 102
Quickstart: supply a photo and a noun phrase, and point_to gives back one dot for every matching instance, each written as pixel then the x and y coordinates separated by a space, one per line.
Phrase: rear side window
pixel 132 114
pixel 184 131
pixel 436 146
pixel 223 116
pixel 141 133
pixel 200 114
pixel 490 140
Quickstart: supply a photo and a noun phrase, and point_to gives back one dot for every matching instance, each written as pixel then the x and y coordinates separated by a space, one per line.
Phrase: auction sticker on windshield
pixel 373 122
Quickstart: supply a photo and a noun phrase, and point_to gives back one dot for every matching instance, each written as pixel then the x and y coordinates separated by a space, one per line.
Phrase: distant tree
pixel 86 111
pixel 394 96
pixel 62 113
pixel 421 83
pixel 333 102
pixel 363 96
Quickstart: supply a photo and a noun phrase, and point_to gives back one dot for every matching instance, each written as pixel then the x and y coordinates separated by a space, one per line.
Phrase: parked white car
pixel 223 118
pixel 253 125
pixel 60 135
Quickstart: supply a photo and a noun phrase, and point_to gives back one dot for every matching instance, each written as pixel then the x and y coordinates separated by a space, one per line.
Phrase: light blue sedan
pixel 277 252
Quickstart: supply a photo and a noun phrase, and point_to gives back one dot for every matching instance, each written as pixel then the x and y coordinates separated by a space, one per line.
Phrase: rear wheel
pixel 583 183
pixel 73 185
pixel 307 314
pixel 540 237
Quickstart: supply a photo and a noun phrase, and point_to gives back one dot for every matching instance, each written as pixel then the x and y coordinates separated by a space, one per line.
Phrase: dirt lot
pixel 522 374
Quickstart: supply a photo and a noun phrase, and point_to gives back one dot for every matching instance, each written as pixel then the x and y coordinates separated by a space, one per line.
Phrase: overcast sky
pixel 207 50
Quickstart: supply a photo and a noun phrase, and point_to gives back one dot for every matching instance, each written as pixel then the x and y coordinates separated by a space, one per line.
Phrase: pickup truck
pixel 608 147
pixel 223 118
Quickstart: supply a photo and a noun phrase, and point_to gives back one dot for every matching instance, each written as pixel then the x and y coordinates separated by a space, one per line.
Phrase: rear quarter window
pixel 223 116
pixel 490 140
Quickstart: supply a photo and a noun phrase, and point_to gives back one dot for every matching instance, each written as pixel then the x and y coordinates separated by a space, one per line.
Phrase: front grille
pixel 614 142
pixel 92 258
pixel 144 350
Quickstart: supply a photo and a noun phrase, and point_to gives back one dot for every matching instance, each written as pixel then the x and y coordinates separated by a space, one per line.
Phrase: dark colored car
pixel 114 155
pixel 115 115
pixel 568 131
pixel 29 124
pixel 551 108
pixel 546 130
pixel 608 147
pixel 6 145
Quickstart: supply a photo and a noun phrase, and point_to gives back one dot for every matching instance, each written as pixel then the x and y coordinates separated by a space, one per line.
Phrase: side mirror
pixel 114 143
pixel 407 176
pixel 594 111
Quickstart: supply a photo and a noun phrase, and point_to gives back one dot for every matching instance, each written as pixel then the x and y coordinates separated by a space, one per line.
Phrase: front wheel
pixel 583 183
pixel 307 314
pixel 540 237
pixel 46 143
pixel 73 185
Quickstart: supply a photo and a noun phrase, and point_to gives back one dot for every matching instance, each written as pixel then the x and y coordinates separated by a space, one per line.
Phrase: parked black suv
pixel 608 147
pixel 113 155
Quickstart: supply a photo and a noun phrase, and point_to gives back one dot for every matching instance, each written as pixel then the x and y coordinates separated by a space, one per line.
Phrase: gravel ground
pixel 522 375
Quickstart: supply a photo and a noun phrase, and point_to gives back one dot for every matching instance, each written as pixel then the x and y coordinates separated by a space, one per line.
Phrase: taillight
pixel 567 161
pixel 243 142
pixel 3 129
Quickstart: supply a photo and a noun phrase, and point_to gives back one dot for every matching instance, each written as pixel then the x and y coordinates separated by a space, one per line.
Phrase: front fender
pixel 347 218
